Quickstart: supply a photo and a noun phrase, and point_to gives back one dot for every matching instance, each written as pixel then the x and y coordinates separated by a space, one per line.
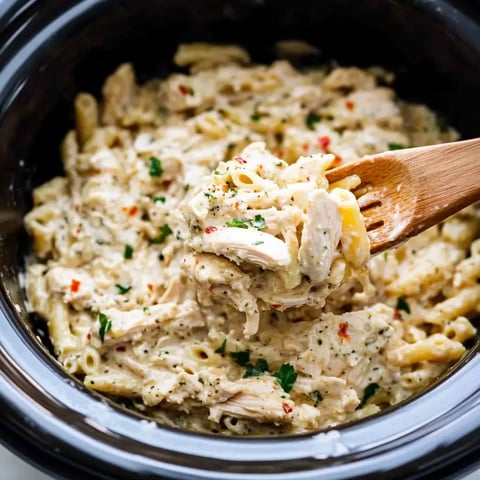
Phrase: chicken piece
pixel 245 245
pixel 169 315
pixel 320 236
pixel 260 399
pixel 217 277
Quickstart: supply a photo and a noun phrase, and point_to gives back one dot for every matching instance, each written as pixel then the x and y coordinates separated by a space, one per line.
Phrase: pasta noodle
pixel 195 260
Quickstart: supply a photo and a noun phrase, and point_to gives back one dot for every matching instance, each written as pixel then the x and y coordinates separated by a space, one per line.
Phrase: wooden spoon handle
pixel 445 177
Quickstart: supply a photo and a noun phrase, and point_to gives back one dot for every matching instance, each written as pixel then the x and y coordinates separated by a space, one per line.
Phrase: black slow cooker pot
pixel 51 50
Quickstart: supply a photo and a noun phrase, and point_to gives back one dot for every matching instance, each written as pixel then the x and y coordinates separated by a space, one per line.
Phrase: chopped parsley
pixel 128 252
pixel 442 124
pixel 256 370
pixel 221 348
pixel 258 222
pixel 122 289
pixel 159 199
pixel 403 305
pixel 155 169
pixel 369 392
pixel 191 91
pixel 396 146
pixel 317 397
pixel 311 120
pixel 286 376
pixel 241 358
pixel 165 231
pixel 105 325
pixel 255 117
pixel 258 242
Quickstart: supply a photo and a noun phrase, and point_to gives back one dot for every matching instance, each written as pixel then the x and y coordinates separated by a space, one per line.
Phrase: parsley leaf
pixel 155 169
pixel 403 305
pixel 255 117
pixel 241 358
pixel 258 242
pixel 317 397
pixel 128 252
pixel 256 370
pixel 123 290
pixel 286 376
pixel 258 222
pixel 237 223
pixel 105 325
pixel 311 120
pixel 396 146
pixel 159 199
pixel 369 392
pixel 191 91
pixel 221 348
pixel 442 124
pixel 165 231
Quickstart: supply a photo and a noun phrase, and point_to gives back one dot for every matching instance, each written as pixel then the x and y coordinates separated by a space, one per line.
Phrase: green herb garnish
pixel 165 231
pixel 311 120
pixel 396 146
pixel 369 392
pixel 191 91
pixel 258 222
pixel 317 397
pixel 238 223
pixel 122 289
pixel 255 117
pixel 256 370
pixel 286 376
pixel 155 169
pixel 442 124
pixel 258 242
pixel 159 199
pixel 403 305
pixel 221 348
pixel 241 358
pixel 105 325
pixel 128 252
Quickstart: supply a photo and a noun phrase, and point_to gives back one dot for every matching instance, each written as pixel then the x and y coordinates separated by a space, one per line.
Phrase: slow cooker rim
pixel 20 404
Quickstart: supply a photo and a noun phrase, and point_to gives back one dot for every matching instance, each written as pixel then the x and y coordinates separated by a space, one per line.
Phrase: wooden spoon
pixel 404 192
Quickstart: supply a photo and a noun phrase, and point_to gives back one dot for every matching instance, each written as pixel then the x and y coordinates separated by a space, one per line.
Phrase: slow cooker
pixel 51 50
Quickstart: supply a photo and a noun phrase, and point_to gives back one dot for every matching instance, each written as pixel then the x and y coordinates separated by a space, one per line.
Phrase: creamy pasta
pixel 195 261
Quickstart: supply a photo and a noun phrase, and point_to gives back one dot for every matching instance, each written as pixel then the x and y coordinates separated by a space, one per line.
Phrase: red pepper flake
pixel 78 231
pixel 240 160
pixel 89 336
pixel 397 315
pixel 276 306
pixel 184 90
pixel 342 331
pixel 324 142
pixel 236 204
pixel 350 105
pixel 197 261
pixel 286 407
pixel 306 146
pixel 133 211
pixel 74 286
pixel 121 348
pixel 210 229
pixel 280 153
pixel 150 286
